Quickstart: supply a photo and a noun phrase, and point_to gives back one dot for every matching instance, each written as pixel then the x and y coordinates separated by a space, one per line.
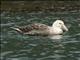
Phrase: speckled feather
pixel 36 26
pixel 42 29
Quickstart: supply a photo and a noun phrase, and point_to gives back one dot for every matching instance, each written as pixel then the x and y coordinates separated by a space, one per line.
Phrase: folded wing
pixel 33 29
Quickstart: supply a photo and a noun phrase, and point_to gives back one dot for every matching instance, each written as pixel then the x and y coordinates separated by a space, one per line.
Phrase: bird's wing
pixel 35 28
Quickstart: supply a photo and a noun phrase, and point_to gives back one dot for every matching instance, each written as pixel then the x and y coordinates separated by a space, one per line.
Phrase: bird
pixel 57 28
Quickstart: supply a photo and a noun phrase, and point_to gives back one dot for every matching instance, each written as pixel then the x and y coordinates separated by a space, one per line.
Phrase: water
pixel 15 46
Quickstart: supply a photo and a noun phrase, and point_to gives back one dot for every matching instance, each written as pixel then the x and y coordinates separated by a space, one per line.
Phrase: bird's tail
pixel 17 29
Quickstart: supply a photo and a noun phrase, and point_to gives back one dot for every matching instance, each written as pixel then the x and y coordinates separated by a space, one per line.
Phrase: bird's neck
pixel 56 30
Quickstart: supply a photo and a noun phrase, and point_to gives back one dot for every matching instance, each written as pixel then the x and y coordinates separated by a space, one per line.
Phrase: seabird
pixel 57 28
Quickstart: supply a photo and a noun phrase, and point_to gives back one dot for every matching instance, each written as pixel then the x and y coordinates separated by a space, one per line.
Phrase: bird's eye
pixel 59 23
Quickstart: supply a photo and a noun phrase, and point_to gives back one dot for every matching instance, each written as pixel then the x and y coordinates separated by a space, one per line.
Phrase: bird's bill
pixel 64 28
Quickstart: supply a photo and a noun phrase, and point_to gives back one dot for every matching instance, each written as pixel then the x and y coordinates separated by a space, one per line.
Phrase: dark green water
pixel 22 47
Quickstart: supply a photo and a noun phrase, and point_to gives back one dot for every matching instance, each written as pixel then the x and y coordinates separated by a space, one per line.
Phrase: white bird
pixel 57 28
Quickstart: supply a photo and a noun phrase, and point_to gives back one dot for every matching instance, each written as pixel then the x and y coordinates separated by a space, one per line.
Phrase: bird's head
pixel 60 24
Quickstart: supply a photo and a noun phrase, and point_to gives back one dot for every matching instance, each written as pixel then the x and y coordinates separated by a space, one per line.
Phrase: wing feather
pixel 35 28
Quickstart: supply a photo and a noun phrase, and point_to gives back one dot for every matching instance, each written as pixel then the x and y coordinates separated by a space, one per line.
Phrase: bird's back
pixel 35 28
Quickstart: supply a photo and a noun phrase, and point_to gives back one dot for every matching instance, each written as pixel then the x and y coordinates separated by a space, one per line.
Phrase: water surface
pixel 15 46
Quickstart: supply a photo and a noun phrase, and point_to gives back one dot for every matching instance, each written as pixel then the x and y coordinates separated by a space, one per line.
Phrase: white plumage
pixel 41 29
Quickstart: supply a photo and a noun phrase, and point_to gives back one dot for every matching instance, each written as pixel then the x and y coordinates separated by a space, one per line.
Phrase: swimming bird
pixel 58 27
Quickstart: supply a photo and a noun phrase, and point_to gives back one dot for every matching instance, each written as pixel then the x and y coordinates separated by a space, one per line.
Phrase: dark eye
pixel 59 23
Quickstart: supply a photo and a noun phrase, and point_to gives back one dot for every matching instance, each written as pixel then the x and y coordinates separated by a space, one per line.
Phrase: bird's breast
pixel 54 31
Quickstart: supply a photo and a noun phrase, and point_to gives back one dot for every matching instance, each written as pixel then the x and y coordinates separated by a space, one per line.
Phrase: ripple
pixel 79 25
pixel 8 24
pixel 5 53
pixel 55 56
pixel 77 52
pixel 71 42
pixel 32 44
pixel 39 48
pixel 78 34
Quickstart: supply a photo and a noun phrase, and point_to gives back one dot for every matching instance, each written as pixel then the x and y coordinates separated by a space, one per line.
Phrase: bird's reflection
pixel 56 37
pixel 57 40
